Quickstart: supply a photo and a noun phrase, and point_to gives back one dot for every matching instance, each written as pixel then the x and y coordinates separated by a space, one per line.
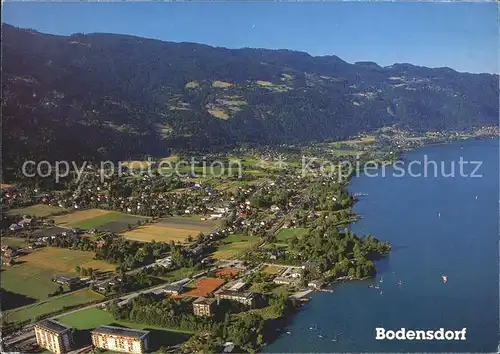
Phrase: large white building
pixel 53 336
pixel 120 339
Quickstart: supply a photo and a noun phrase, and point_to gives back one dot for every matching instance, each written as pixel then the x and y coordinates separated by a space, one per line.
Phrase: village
pixel 218 252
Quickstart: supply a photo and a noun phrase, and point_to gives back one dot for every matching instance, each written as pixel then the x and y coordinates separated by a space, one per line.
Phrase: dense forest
pixel 94 96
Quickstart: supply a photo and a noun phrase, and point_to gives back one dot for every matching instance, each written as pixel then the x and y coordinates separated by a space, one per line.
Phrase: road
pixel 27 331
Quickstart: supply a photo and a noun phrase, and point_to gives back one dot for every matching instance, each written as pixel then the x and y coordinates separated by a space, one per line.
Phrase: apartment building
pixel 120 339
pixel 245 298
pixel 53 336
pixel 203 306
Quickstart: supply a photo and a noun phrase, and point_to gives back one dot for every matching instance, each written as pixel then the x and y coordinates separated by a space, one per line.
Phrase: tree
pixel 77 269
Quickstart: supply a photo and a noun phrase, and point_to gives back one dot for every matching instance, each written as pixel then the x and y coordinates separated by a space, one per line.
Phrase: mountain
pixel 118 96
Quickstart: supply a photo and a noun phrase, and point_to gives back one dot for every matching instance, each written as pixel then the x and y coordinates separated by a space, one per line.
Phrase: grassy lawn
pixel 178 274
pixel 234 245
pixel 266 312
pixel 13 241
pixel 91 318
pixel 33 274
pixel 285 234
pixel 51 305
pixel 38 210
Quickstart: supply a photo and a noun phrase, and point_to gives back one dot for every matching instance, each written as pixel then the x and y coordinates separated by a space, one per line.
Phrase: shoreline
pixel 344 279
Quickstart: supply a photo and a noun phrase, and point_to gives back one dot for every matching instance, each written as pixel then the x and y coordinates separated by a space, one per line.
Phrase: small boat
pixel 319 335
pixel 334 340
pixel 439 215
pixel 371 286
pixel 288 332
pixel 381 280
pixel 445 278
pixel 400 282
pixel 381 292
pixel 476 197
pixel 377 287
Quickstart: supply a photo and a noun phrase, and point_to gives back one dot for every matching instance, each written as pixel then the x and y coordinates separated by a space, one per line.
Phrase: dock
pixel 327 290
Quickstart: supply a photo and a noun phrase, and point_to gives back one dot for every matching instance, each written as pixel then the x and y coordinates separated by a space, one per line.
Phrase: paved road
pixel 27 331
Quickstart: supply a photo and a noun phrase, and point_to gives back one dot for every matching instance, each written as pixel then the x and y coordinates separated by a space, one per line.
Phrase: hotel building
pixel 120 339
pixel 203 306
pixel 53 336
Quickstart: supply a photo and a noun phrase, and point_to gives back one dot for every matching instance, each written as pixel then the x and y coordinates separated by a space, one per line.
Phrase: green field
pixel 271 270
pixel 178 274
pixel 234 245
pixel 285 234
pixel 51 305
pixel 32 275
pixel 89 319
pixel 98 221
pixel 38 210
pixel 13 241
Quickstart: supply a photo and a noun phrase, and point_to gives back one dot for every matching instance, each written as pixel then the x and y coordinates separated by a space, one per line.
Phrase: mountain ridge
pixel 117 96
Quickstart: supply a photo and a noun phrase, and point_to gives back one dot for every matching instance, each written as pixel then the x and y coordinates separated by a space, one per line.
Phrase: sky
pixel 462 36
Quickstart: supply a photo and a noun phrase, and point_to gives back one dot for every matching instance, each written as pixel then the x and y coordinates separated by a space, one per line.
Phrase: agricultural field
pixel 176 229
pixel 98 219
pixel 51 305
pixel 234 245
pixel 48 231
pixel 38 210
pixel 204 287
pixel 88 319
pixel 32 275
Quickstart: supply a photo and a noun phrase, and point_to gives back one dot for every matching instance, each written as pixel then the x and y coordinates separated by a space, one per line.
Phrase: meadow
pixel 32 275
pixel 51 305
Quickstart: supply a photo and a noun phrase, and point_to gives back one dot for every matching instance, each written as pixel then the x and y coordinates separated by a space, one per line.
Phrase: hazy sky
pixel 463 36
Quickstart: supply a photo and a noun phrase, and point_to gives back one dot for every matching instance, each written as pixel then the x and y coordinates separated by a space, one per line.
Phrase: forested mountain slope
pixel 117 96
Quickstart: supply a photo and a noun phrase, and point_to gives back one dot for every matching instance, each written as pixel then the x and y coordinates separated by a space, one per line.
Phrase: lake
pixel 436 226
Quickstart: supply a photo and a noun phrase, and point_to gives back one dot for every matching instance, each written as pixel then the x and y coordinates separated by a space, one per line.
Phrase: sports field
pixel 176 229
pixel 38 210
pixel 273 270
pixel 204 287
pixel 98 219
pixel 32 275
pixel 51 305
pixel 234 245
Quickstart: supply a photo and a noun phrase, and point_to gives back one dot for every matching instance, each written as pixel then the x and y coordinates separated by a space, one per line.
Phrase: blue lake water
pixel 437 226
